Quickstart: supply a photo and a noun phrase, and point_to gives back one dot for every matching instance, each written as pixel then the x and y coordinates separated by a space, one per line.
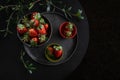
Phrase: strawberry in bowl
pixel 34 29
pixel 68 30
pixel 54 52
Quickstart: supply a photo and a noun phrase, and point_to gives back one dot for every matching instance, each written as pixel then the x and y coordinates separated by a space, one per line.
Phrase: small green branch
pixel 21 57
pixel 67 12
pixel 8 6
pixel 7 27
pixel 29 66
pixel 31 5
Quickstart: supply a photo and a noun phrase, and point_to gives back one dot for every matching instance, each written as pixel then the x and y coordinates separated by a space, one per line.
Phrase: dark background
pixel 102 60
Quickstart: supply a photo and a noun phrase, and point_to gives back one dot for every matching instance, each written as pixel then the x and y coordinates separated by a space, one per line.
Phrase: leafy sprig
pixel 27 64
pixel 66 10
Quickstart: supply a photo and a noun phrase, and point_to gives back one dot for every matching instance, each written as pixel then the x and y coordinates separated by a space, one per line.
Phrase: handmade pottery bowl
pixel 43 34
pixel 52 55
pixel 62 30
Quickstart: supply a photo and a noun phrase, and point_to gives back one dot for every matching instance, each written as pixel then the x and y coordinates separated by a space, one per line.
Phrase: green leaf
pixel 30 65
pixel 30 71
pixel 42 20
pixel 70 8
pixel 33 68
pixel 79 14
pixel 31 6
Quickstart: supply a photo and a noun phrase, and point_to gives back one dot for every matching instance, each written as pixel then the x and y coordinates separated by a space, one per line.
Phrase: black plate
pixel 10 48
pixel 69 45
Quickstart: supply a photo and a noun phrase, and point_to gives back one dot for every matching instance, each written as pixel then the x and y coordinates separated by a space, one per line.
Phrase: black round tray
pixel 69 45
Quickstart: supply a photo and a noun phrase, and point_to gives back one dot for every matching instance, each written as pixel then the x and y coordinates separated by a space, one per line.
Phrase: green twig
pixel 8 23
pixel 67 12
pixel 7 27
pixel 29 66
pixel 31 5
pixel 8 6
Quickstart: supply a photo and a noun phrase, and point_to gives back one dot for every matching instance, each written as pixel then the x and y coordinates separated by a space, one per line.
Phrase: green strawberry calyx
pixel 70 26
pixel 21 26
pixel 68 33
pixel 42 38
pixel 33 43
pixel 37 16
pixel 57 48
pixel 41 26
pixel 25 38
pixel 42 21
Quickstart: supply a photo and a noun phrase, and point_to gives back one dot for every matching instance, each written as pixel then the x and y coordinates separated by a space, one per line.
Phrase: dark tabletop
pixel 102 60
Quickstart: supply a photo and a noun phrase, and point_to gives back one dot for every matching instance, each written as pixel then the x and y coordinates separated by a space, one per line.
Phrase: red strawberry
pixel 21 28
pixel 50 51
pixel 58 53
pixel 69 27
pixel 35 22
pixel 32 32
pixel 42 29
pixel 36 15
pixel 46 26
pixel 67 33
pixel 33 14
pixel 34 41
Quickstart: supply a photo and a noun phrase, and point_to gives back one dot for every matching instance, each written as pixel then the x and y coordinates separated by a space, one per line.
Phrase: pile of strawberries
pixel 54 51
pixel 68 30
pixel 33 29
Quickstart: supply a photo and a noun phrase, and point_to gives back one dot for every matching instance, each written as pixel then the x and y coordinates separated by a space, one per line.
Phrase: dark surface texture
pixel 102 60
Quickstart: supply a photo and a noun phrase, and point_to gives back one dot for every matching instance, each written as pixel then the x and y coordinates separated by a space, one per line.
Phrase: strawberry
pixel 35 22
pixel 42 29
pixel 35 15
pixel 50 51
pixel 46 26
pixel 25 37
pixel 58 51
pixel 67 33
pixel 32 32
pixel 42 38
pixel 69 27
pixel 21 29
pixel 34 41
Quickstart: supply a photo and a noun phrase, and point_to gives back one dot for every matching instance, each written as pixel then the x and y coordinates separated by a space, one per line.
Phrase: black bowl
pixel 49 31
